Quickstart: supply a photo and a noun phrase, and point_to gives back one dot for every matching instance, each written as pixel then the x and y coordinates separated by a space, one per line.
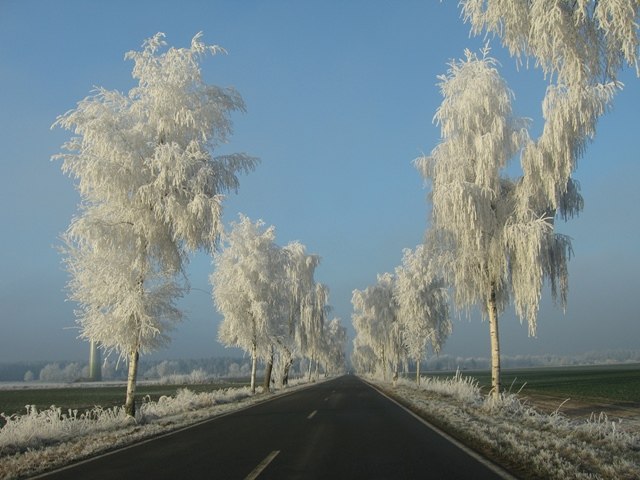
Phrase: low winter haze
pixel 340 99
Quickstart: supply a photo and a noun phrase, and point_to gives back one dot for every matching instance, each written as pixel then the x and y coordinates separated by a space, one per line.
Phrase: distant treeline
pixel 70 371
pixel 220 367
pixel 452 363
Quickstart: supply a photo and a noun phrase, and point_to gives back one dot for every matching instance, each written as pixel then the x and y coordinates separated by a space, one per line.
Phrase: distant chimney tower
pixel 95 363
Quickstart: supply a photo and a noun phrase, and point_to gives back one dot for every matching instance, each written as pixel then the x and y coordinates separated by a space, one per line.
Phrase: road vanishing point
pixel 338 429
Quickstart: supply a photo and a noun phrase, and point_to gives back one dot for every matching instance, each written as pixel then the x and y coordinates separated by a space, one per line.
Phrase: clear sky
pixel 340 98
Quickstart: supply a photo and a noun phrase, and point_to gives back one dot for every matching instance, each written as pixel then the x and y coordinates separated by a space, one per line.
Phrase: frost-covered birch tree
pixel 246 286
pixel 315 310
pixel 497 245
pixel 369 344
pixel 301 324
pixel 363 358
pixel 303 305
pixel 334 340
pixel 376 323
pixel 581 45
pixel 151 192
pixel 423 303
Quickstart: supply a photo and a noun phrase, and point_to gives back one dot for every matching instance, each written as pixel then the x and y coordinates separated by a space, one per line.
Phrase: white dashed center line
pixel 262 465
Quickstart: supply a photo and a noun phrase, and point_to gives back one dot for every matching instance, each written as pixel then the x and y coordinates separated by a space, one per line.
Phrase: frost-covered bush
pixel 464 389
pixel 186 400
pixel 599 427
pixel 38 428
pixel 506 403
pixel 197 376
pixel 53 372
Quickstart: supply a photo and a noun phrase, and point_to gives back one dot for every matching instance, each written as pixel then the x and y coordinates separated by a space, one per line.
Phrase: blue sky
pixel 340 99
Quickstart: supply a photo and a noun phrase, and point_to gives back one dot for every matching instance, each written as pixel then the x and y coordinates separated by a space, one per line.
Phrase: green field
pixel 85 398
pixel 610 383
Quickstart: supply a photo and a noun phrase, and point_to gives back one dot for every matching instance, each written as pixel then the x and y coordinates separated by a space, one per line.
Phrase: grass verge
pixel 87 397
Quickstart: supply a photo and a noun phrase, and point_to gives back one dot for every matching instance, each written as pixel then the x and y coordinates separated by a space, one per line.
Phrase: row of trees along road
pixel 272 307
pixel 495 235
pixel 151 193
pixel 397 318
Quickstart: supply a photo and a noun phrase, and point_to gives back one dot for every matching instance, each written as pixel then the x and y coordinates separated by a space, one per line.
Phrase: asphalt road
pixel 339 429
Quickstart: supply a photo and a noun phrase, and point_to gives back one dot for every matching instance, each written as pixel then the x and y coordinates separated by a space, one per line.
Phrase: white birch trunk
pixel 286 368
pixel 495 343
pixel 384 365
pixel 266 385
pixel 254 364
pixel 130 402
pixel 396 371
pixel 315 374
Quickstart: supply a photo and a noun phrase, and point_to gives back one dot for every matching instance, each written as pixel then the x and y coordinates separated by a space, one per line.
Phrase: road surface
pixel 338 429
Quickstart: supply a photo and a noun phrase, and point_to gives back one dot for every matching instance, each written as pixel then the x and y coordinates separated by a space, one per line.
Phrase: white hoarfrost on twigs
pixel 41 440
pixel 550 446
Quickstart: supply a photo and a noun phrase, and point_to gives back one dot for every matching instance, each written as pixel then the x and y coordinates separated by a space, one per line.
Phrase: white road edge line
pixel 262 465
pixel 497 469
pixel 312 414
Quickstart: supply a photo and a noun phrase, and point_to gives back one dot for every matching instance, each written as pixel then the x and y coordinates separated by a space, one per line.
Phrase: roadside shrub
pixel 197 376
pixel 186 400
pixel 464 389
pixel 38 428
